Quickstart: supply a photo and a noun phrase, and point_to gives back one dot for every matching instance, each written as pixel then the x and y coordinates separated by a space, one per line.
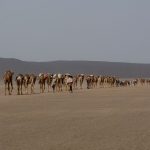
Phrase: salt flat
pixel 97 119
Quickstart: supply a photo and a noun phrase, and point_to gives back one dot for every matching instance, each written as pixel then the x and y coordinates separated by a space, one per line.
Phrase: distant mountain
pixel 125 70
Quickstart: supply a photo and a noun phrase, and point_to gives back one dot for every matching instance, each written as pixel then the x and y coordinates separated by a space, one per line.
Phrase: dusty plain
pixel 96 119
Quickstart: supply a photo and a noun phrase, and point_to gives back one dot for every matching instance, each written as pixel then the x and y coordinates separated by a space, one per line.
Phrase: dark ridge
pixel 123 70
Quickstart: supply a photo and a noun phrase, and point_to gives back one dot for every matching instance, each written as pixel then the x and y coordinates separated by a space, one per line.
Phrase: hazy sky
pixel 42 30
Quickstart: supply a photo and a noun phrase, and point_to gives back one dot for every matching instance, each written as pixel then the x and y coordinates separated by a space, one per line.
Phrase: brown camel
pixel 26 82
pixel 81 80
pixel 42 80
pixel 75 82
pixel 19 81
pixel 59 82
pixel 70 83
pixel 49 81
pixel 32 81
pixel 89 82
pixel 65 78
pixel 8 77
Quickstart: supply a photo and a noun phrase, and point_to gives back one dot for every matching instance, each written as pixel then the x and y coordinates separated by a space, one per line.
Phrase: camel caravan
pixel 63 82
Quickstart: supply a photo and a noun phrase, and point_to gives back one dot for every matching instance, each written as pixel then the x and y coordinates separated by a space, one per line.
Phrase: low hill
pixel 124 70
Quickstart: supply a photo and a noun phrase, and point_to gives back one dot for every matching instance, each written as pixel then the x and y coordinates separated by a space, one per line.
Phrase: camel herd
pixel 60 82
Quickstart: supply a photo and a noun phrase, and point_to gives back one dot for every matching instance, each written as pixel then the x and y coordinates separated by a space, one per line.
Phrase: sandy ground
pixel 97 119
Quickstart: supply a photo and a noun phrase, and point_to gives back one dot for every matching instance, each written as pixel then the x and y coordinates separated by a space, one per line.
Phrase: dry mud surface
pixel 97 119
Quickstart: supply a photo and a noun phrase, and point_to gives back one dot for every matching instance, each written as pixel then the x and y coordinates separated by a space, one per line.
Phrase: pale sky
pixel 101 30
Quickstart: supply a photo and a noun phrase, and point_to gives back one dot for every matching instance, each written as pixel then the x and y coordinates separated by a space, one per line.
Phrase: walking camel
pixel 81 80
pixel 32 81
pixel 19 81
pixel 42 81
pixel 8 77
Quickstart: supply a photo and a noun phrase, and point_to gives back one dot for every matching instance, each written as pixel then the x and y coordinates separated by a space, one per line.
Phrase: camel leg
pixel 80 85
pixel 21 90
pixel 31 89
pixel 48 88
pixel 18 90
pixel 40 88
pixel 61 88
pixel 9 89
pixel 27 89
pixel 5 88
pixel 43 88
pixel 53 86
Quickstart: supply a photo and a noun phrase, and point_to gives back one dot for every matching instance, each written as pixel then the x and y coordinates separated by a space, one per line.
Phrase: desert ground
pixel 96 119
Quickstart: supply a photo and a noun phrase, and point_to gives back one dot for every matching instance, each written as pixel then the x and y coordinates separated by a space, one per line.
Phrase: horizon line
pixel 71 60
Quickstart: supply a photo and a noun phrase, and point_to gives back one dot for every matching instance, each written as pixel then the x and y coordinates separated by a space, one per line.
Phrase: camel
pixel 59 82
pixel 108 81
pixel 100 81
pixel 81 80
pixel 19 81
pixel 66 76
pixel 147 81
pixel 32 81
pixel 70 83
pixel 142 81
pixel 26 82
pixel 95 81
pixel 8 77
pixel 42 80
pixel 92 81
pixel 54 81
pixel 88 80
pixel 75 82
pixel 49 81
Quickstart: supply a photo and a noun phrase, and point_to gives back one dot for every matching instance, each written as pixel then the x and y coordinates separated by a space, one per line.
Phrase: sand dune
pixel 97 119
